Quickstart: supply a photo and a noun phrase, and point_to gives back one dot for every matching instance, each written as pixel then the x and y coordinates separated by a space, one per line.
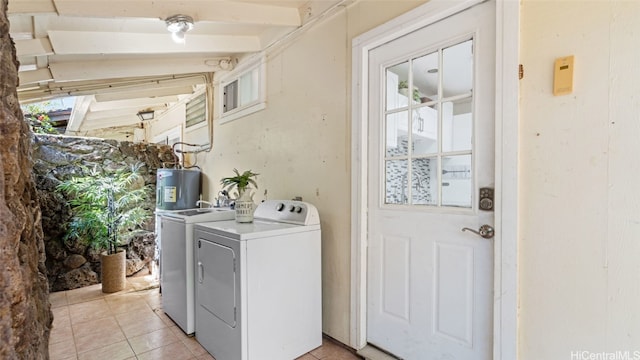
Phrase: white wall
pixel 300 144
pixel 579 246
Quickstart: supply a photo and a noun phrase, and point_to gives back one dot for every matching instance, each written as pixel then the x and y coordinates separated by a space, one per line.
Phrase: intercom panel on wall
pixel 563 76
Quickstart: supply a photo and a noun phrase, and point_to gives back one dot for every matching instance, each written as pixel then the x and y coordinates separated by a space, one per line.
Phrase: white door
pixel 431 141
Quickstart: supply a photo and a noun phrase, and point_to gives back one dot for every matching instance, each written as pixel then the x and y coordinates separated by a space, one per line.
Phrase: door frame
pixel 505 310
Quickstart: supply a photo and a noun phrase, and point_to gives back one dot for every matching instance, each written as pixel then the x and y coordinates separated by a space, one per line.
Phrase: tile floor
pixel 130 324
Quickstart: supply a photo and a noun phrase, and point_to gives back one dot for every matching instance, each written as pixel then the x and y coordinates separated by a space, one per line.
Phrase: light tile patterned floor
pixel 130 324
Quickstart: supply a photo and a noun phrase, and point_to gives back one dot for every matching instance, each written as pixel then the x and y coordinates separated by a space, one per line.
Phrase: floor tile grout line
pixel 73 334
pixel 123 333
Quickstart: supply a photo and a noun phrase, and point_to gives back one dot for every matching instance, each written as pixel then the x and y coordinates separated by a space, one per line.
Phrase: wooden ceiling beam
pixel 114 120
pixel 104 43
pixel 80 109
pixel 146 92
pixel 34 77
pixel 115 69
pixel 135 103
pixel 223 11
pixel 31 7
pixel 33 47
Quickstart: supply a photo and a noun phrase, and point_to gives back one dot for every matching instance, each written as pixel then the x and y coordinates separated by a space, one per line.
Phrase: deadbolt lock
pixel 486 199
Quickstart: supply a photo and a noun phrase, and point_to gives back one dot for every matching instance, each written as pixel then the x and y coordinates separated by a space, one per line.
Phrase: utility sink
pixel 192 212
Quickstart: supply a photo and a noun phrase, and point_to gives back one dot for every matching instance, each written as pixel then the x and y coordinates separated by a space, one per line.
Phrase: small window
pixel 243 91
pixel 196 112
pixel 230 97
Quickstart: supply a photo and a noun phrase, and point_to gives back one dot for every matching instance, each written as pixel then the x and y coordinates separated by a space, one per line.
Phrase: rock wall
pixel 25 314
pixel 72 265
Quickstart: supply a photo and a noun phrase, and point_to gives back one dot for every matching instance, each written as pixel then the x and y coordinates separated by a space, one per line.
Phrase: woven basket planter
pixel 114 274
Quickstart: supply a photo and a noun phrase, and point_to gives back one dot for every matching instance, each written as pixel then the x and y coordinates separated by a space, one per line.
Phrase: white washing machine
pixel 259 288
pixel 177 267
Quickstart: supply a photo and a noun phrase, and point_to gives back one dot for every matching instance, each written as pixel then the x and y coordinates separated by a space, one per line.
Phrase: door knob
pixel 486 231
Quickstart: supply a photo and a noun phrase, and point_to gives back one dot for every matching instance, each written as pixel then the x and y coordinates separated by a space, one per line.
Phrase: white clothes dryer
pixel 259 288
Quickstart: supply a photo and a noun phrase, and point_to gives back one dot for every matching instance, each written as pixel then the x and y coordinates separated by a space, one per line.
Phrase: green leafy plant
pixel 240 181
pixel 404 84
pixel 38 118
pixel 105 206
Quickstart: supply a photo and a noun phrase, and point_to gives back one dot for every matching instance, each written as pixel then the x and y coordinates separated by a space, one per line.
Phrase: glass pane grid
pixel 428 161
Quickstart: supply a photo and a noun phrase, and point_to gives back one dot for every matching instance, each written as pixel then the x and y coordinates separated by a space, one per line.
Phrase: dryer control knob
pixel 280 207
pixel 292 208
pixel 298 209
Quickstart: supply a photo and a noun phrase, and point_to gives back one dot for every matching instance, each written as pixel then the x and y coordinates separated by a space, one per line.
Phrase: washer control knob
pixel 298 209
pixel 292 208
pixel 280 207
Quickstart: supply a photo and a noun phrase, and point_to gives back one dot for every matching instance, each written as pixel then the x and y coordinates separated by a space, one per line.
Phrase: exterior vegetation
pixel 105 206
pixel 36 115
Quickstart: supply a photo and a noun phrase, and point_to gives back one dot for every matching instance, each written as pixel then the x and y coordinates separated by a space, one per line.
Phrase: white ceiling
pixel 118 57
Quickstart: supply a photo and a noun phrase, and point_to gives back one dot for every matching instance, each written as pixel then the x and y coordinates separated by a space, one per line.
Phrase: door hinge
pixel 520 71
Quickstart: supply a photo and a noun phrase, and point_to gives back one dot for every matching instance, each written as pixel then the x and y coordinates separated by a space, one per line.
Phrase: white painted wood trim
pixel 360 83
pixel 505 311
pixel 505 251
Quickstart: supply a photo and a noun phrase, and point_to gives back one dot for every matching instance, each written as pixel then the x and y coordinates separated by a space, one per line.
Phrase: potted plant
pixel 104 208
pixel 244 198
pixel 403 88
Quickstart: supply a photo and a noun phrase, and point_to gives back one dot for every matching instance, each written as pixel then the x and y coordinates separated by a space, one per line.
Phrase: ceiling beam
pixel 146 92
pixel 33 47
pixel 132 83
pixel 113 69
pixel 201 10
pixel 35 77
pixel 129 119
pixel 100 116
pixel 80 109
pixel 125 132
pixel 102 43
pixel 139 103
pixel 31 7
pixel 113 89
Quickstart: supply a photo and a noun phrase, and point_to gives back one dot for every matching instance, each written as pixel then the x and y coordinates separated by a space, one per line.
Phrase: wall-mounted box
pixel 563 76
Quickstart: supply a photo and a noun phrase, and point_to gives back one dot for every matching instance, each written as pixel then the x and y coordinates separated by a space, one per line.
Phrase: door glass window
pixel 456 180
pixel 457 125
pixel 424 130
pixel 396 181
pixel 396 134
pixel 397 83
pixel 429 155
pixel 457 69
pixel 423 191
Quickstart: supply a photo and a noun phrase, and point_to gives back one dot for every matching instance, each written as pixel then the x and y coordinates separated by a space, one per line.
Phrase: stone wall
pixel 72 265
pixel 25 311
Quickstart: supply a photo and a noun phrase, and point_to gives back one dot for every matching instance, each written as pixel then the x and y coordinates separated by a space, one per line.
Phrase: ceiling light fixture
pixel 146 115
pixel 178 25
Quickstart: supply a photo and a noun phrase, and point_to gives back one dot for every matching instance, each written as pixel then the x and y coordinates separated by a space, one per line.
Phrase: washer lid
pixel 259 228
